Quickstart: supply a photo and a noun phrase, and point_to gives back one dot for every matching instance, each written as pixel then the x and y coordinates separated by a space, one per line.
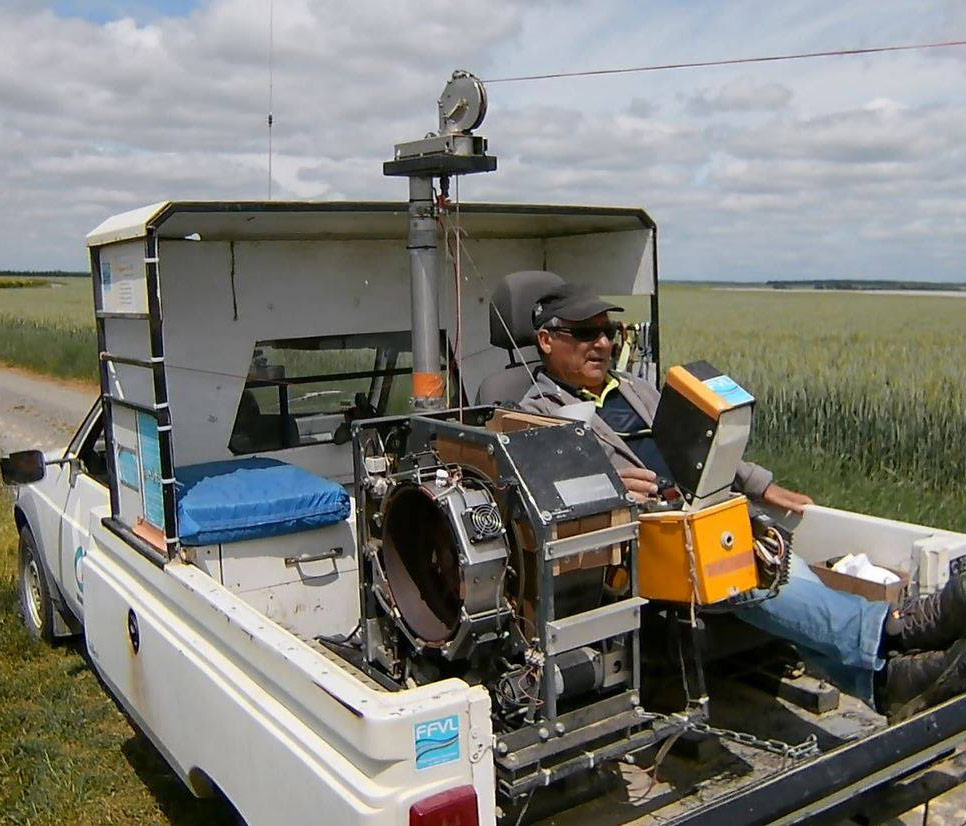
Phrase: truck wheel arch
pixel 19 518
pixel 202 785
pixel 65 624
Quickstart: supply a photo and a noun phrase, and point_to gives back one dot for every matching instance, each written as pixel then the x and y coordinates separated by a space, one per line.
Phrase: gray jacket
pixel 751 479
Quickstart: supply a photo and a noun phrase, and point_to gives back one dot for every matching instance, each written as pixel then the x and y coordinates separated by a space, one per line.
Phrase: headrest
pixel 514 297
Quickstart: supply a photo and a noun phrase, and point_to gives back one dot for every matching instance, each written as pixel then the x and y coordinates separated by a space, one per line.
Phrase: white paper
pixel 859 566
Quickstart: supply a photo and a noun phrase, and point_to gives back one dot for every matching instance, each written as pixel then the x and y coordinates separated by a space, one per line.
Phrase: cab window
pixel 304 391
pixel 90 448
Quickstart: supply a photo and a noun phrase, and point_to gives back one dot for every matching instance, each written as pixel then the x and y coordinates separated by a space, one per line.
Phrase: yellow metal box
pixel 724 556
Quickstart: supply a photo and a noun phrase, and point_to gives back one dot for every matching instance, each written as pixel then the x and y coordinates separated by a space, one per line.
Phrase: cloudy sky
pixel 843 167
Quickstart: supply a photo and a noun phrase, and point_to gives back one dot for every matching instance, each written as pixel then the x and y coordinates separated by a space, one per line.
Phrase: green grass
pixel 48 327
pixel 874 381
pixel 67 754
pixel 67 300
pixel 839 485
pixel 64 350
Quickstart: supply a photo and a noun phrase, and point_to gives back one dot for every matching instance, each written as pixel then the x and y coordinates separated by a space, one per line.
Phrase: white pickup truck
pixel 214 529
pixel 230 346
pixel 332 607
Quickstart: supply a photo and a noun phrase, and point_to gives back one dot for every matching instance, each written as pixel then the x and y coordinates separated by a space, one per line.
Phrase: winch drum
pixel 445 555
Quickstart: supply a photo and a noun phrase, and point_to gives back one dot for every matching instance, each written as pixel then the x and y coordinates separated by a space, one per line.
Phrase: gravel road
pixel 38 412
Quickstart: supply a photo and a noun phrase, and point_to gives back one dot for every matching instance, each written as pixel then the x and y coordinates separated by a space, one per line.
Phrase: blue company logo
pixel 729 390
pixel 79 555
pixel 437 741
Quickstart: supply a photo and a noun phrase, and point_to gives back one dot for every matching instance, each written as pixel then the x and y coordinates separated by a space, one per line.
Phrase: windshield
pixel 303 391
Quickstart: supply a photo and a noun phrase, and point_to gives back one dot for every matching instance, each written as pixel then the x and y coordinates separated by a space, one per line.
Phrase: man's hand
pixel 783 498
pixel 640 482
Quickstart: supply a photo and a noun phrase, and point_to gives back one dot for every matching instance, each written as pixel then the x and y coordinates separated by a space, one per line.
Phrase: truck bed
pixel 700 773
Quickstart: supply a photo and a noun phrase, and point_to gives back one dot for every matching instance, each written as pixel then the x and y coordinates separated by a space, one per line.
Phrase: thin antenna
pixel 271 84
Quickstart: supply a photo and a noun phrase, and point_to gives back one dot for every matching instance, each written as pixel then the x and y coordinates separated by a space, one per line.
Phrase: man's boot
pixel 931 623
pixel 914 682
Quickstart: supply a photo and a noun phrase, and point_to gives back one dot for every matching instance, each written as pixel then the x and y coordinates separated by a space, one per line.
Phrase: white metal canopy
pixel 354 220
pixel 230 274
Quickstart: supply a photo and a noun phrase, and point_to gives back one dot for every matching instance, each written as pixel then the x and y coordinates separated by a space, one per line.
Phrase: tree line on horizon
pixel 45 274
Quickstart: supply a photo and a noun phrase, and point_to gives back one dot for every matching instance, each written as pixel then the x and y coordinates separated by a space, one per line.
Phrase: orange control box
pixel 724 556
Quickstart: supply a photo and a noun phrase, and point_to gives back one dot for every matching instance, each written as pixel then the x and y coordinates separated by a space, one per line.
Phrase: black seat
pixel 513 299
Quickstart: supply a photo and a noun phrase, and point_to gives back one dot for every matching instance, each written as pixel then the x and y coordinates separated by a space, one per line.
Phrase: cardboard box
pixel 872 591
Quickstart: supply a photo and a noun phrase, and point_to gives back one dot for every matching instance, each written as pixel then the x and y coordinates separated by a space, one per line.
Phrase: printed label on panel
pixel 124 279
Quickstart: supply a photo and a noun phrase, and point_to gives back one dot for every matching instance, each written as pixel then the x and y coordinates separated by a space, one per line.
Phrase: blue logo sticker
pixel 79 555
pixel 437 741
pixel 729 390
pixel 106 276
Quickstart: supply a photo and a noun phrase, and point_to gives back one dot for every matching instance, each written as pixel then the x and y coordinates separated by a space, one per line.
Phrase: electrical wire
pixel 499 315
pixel 459 303
pixel 732 61
pixel 526 806
pixel 651 772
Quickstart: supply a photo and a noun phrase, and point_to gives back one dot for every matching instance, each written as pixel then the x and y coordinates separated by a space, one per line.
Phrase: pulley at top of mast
pixel 454 150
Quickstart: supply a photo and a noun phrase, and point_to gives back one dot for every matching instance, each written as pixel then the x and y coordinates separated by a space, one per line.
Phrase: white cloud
pixel 847 166
pixel 740 95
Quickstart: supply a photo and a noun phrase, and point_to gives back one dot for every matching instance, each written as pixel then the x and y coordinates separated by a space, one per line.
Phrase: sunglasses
pixel 590 332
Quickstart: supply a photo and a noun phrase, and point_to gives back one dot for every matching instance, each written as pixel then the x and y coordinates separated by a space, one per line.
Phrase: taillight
pixel 455 807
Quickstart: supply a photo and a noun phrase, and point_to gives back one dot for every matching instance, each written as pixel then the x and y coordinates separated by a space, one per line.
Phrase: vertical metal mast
pixel 455 150
pixel 424 289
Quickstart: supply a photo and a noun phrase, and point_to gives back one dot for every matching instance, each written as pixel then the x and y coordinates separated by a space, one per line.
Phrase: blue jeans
pixel 837 633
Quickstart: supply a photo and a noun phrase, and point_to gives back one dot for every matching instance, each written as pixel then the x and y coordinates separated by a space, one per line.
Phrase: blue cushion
pixel 253 498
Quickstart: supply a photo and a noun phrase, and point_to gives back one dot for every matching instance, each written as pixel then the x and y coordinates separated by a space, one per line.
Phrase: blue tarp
pixel 253 498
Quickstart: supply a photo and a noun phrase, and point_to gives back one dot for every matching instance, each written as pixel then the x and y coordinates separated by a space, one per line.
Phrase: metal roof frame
pixel 375 220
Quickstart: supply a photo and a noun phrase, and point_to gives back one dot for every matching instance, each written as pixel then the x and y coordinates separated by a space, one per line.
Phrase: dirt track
pixel 38 412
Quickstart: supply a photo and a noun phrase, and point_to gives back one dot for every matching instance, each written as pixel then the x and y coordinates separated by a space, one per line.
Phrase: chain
pixel 787 751
pixel 807 748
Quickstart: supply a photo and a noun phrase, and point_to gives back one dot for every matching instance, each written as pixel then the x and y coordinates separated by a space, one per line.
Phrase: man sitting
pixel 865 647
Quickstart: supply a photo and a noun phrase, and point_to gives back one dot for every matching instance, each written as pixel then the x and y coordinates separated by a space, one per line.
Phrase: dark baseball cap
pixel 570 302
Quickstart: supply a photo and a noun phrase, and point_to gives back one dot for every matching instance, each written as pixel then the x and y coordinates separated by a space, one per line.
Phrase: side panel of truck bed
pixel 287 735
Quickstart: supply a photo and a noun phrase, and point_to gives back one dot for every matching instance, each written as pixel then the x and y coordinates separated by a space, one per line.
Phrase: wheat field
pixel 50 328
pixel 866 388
pixel 874 381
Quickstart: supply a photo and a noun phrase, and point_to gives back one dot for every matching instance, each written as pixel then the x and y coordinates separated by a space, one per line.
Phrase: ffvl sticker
pixel 437 741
